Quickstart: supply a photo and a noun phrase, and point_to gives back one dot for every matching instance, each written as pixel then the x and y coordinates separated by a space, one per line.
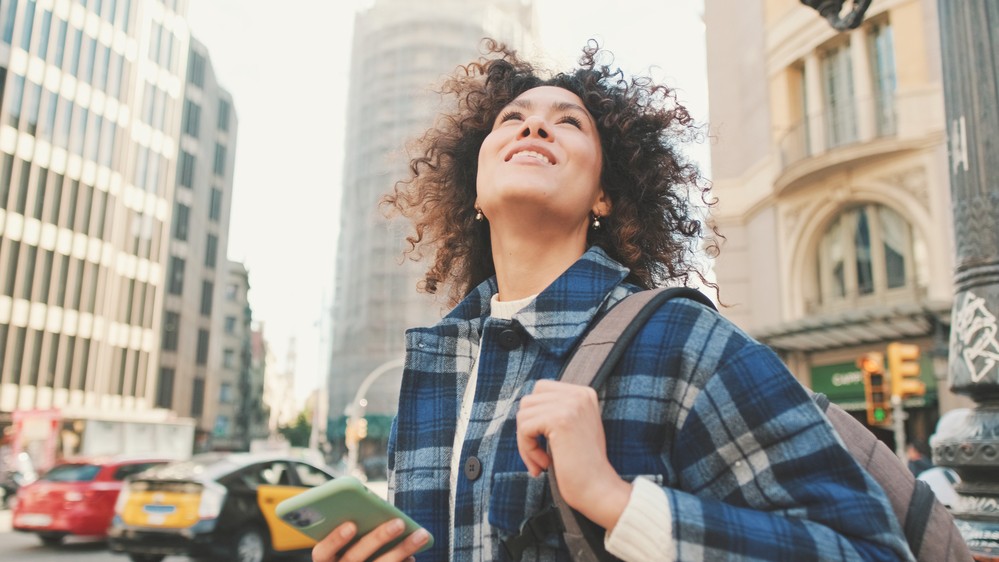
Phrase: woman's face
pixel 543 154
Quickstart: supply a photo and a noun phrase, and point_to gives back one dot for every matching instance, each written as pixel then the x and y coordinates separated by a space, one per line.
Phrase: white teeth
pixel 537 155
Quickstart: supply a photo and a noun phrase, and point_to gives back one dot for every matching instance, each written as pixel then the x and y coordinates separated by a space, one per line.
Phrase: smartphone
pixel 316 512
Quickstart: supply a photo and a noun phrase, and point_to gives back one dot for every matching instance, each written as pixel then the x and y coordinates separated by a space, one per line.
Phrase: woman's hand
pixel 568 415
pixel 326 550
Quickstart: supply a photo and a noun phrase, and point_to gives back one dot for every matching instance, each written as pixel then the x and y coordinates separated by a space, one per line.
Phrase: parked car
pixel 76 497
pixel 19 472
pixel 218 506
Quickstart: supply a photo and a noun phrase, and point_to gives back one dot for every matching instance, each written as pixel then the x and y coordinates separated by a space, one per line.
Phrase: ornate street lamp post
pixel 830 9
pixel 968 440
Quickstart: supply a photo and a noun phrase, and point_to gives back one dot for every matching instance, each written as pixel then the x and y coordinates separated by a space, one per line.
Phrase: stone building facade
pixel 192 358
pixel 830 168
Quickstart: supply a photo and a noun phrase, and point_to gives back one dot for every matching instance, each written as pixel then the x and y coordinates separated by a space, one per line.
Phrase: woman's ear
pixel 602 207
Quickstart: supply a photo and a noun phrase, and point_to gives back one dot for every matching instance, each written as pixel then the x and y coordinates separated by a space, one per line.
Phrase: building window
pixel 225 393
pixel 207 287
pixel 230 324
pixel 171 327
pixel 155 41
pixel 34 95
pixel 231 292
pixel 186 168
pixel 29 21
pixel 211 250
pixel 202 355
pixel 8 28
pixel 840 109
pixel 215 205
pixel 196 70
pixel 882 52
pixel 229 358
pixel 220 159
pixel 192 118
pixel 223 115
pixel 221 426
pixel 181 221
pixel 74 60
pixel 867 251
pixel 198 397
pixel 16 96
pixel 175 281
pixel 164 388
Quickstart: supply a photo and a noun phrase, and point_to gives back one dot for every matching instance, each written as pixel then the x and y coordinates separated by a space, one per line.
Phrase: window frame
pixel 825 297
pixel 171 338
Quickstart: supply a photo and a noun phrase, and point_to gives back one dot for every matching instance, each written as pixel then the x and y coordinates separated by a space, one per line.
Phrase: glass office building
pixel 89 128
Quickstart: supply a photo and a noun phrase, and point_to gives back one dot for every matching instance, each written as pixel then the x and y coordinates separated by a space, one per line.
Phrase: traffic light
pixel 356 431
pixel 878 399
pixel 903 366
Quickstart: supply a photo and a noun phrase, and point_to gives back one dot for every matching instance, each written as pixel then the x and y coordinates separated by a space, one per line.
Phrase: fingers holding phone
pixel 328 548
pixel 352 524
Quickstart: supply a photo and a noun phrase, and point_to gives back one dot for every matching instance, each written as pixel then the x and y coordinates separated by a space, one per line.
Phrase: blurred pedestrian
pixel 918 462
pixel 542 201
pixel 7 485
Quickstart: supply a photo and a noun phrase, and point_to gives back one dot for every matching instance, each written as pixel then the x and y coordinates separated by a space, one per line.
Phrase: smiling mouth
pixel 531 154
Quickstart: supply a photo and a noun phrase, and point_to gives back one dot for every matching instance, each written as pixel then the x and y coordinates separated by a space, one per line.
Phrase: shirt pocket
pixel 515 496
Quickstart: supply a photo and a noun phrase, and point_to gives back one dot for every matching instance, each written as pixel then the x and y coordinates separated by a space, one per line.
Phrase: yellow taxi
pixel 218 506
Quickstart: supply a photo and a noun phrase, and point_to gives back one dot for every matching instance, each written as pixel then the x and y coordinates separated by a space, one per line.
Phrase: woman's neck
pixel 526 263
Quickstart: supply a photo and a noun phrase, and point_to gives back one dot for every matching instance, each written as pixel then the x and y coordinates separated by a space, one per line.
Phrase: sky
pixel 287 71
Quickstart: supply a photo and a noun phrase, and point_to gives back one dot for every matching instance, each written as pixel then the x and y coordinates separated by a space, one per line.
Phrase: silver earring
pixel 479 216
pixel 596 221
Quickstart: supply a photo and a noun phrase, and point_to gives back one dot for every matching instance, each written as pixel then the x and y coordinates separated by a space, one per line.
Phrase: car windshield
pixel 189 469
pixel 72 473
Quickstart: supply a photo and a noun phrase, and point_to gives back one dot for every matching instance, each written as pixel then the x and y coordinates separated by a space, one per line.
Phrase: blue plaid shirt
pixel 751 468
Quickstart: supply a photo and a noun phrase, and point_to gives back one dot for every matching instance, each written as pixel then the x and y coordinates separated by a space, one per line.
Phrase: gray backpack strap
pixel 931 532
pixel 918 515
pixel 590 365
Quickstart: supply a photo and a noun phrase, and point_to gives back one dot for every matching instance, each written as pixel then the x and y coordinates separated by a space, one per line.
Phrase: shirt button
pixel 473 469
pixel 508 339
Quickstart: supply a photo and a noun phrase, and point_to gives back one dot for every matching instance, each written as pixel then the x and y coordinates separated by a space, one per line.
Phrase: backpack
pixel 929 528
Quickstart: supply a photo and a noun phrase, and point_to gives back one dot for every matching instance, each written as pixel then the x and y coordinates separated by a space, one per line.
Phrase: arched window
pixel 868 255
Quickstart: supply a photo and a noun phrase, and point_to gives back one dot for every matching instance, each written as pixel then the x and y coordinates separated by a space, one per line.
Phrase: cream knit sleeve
pixel 644 533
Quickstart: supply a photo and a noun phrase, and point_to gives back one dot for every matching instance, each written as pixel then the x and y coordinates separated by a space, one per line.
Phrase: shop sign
pixel 843 384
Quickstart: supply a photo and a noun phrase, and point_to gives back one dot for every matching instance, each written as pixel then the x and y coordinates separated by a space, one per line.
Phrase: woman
pixel 544 202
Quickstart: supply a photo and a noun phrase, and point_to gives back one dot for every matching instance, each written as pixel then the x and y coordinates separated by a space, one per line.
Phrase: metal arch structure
pixel 357 408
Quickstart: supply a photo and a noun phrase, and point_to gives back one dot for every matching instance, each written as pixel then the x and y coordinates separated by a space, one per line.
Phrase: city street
pixel 20 546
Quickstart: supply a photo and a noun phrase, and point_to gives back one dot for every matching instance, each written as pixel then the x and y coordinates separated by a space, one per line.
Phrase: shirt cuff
pixel 645 530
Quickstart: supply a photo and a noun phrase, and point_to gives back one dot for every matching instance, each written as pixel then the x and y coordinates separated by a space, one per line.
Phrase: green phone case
pixel 318 511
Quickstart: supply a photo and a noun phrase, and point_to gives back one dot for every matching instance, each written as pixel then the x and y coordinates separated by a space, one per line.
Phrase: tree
pixel 298 433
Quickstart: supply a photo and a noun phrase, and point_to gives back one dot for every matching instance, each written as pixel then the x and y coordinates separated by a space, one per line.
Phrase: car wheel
pixel 147 557
pixel 250 546
pixel 51 539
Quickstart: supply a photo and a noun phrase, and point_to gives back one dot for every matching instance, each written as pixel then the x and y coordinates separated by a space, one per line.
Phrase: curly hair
pixel 653 228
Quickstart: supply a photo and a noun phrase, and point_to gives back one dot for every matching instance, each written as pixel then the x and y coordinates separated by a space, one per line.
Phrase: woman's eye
pixel 572 121
pixel 511 116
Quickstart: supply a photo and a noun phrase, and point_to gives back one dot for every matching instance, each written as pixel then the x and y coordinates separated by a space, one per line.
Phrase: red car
pixel 76 497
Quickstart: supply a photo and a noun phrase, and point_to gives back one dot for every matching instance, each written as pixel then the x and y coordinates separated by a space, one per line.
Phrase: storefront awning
pixel 855 327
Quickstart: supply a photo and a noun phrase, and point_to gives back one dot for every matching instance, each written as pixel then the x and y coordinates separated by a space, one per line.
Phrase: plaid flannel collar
pixel 561 313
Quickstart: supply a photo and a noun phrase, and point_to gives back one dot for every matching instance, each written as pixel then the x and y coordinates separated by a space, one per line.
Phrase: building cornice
pixel 812 170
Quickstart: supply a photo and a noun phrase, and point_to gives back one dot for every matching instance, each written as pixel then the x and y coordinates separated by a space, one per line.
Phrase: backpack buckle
pixel 533 530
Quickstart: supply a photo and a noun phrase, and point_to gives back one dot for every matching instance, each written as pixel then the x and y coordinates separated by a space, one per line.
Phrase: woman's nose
pixel 535 126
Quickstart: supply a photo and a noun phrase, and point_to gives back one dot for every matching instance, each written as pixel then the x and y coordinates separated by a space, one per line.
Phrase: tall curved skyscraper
pixel 401 49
